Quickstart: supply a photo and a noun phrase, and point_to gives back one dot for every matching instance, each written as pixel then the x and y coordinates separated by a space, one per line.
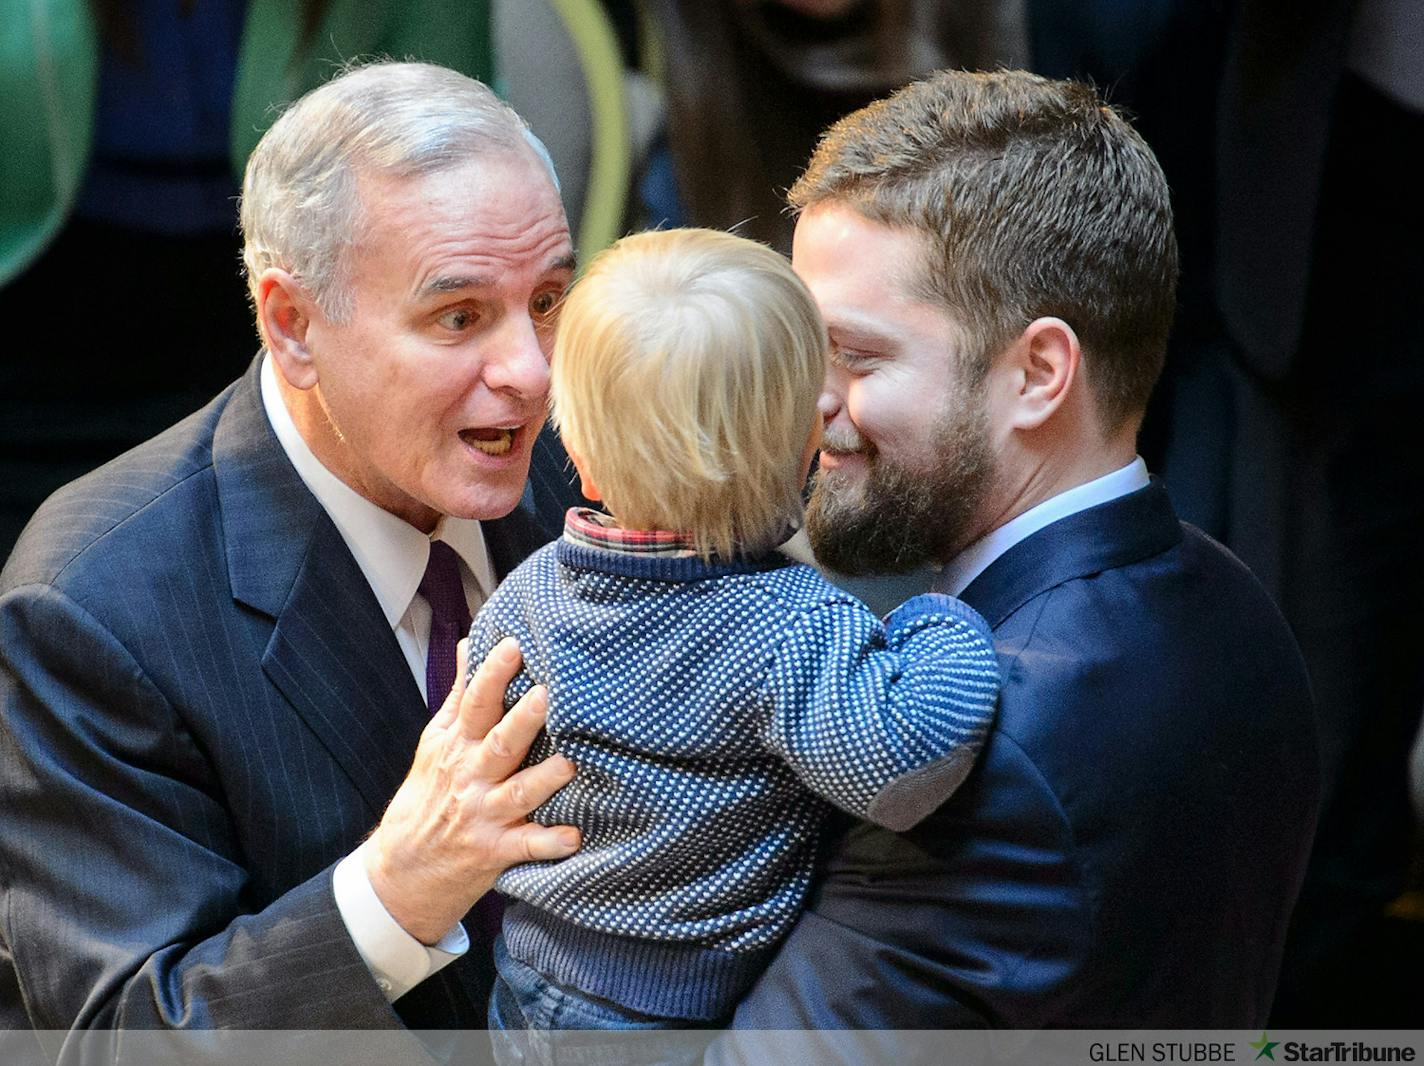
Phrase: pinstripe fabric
pixel 202 709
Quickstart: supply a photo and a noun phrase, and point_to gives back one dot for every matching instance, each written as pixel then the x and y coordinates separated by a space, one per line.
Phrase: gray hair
pixel 300 209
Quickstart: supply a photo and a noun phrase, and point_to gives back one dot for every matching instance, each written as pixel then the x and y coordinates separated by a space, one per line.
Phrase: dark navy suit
pixel 1128 850
pixel 202 709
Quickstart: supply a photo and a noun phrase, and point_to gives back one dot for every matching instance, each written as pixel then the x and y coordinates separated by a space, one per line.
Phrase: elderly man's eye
pixel 545 303
pixel 458 320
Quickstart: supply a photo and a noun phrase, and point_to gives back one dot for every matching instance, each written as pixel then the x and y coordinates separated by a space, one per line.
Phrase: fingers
pixel 533 843
pixel 506 745
pixel 481 703
pixel 517 797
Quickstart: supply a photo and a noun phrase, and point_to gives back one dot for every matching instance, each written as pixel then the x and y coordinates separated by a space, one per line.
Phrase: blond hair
pixel 685 376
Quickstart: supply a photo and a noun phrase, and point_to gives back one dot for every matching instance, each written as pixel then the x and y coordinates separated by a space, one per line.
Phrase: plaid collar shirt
pixel 593 529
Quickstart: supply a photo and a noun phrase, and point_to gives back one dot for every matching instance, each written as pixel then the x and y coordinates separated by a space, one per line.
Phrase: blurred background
pixel 1283 425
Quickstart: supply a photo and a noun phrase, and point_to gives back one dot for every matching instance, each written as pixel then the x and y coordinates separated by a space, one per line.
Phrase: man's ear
pixel 586 485
pixel 1045 361
pixel 284 313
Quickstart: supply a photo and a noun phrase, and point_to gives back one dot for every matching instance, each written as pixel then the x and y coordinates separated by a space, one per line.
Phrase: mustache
pixel 844 439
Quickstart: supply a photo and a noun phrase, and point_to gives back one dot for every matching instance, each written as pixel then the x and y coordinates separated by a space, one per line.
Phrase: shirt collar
pixel 391 553
pixel 960 571
pixel 593 529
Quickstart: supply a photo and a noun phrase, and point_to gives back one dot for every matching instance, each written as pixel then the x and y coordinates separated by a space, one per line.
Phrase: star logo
pixel 1265 1048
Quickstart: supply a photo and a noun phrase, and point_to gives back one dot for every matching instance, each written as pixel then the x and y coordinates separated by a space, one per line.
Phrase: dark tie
pixel 449 623
pixel 449 620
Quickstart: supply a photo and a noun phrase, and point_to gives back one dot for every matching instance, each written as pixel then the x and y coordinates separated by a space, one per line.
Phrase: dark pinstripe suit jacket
pixel 202 709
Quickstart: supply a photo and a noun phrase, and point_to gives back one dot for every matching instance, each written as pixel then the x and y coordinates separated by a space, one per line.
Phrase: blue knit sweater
pixel 712 710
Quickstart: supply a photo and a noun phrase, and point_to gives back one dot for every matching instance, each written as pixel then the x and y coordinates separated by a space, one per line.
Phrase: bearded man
pixel 995 260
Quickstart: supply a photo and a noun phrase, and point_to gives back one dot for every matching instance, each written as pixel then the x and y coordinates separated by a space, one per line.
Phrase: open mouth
pixel 491 440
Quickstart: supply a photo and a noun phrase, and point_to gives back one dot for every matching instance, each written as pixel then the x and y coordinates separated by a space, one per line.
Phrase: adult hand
pixel 459 818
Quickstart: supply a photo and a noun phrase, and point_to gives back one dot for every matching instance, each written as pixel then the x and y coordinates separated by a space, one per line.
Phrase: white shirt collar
pixel 391 553
pixel 960 571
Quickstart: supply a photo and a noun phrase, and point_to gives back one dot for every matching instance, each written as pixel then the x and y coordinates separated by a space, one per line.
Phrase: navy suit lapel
pixel 331 654
pixel 334 657
pixel 1117 533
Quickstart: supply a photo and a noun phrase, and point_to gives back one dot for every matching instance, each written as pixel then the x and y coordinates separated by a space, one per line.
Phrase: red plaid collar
pixel 593 529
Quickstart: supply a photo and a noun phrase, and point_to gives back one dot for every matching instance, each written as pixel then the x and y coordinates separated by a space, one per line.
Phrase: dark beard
pixel 896 520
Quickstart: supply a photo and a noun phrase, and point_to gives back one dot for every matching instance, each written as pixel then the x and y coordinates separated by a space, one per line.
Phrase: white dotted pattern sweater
pixel 712 711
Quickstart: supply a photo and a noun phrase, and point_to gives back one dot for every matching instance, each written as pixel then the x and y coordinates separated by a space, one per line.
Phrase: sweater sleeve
pixel 884 720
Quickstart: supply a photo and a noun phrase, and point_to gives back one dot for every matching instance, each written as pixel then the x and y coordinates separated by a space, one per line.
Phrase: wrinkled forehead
pixel 501 164
pixel 493 219
pixel 496 190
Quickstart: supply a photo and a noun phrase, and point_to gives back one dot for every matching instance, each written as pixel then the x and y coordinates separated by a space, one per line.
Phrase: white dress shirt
pixel 392 555
pixel 960 572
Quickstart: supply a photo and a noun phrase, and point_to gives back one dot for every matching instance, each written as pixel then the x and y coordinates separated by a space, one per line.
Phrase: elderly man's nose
pixel 519 364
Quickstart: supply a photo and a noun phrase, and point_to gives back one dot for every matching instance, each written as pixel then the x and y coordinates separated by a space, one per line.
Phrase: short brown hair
pixel 1036 198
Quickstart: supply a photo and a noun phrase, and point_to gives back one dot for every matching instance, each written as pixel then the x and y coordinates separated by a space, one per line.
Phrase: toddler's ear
pixel 586 485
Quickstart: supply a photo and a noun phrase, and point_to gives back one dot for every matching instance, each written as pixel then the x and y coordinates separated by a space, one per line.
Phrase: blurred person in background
pixel 1282 424
pixel 751 84
pixel 1319 258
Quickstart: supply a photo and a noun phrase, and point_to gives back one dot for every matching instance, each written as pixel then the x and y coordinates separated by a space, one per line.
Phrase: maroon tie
pixel 449 620
pixel 449 623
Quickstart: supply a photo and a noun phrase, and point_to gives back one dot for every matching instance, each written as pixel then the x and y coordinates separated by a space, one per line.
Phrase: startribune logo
pixel 1331 1051
pixel 1265 1047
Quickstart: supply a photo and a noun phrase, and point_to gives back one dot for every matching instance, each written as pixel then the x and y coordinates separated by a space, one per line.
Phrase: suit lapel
pixel 1117 533
pixel 334 657
pixel 331 654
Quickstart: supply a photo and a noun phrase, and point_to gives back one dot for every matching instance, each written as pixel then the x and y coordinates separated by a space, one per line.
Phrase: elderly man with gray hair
pixel 219 653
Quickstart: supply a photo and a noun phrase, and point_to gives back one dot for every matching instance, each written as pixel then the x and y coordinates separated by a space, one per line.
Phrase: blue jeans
pixel 535 1022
